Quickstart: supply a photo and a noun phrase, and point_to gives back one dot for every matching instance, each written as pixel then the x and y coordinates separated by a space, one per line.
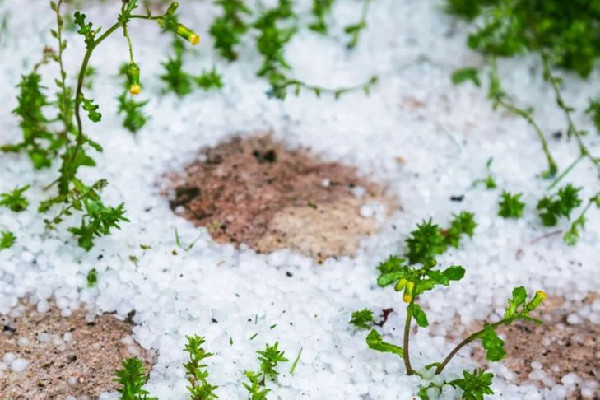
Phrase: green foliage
pixel 571 237
pixel 425 243
pixel 97 221
pixel 474 385
pixel 92 110
pixel 269 358
pixel 132 379
pixel 91 278
pixel 491 342
pixel 376 342
pixel 228 29
pixel 135 118
pixel 489 181
pixel 511 205
pixel 210 80
pixel 39 142
pixel 567 30
pixel 196 372
pixel 7 240
pixel 175 78
pixel 461 224
pixel 15 200
pixel 467 74
pixel 550 209
pixel 354 30
pixel 593 111
pixel 86 30
pixel 320 9
pixel 362 319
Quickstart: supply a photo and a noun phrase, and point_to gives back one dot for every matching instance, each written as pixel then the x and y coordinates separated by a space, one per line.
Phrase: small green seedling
pixel 489 181
pixel 7 240
pixel 510 205
pixel 91 278
pixel 550 209
pixel 132 379
pixel 269 358
pixel 15 200
pixel 320 9
pixel 354 30
pixel 210 80
pixel 467 74
pixel 196 372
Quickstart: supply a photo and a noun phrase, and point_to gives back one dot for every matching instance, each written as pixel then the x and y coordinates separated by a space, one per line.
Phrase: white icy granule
pixel 19 365
pixel 9 357
pixel 23 341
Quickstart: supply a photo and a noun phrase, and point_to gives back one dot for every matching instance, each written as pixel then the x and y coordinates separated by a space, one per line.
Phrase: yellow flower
pixel 135 89
pixel 194 39
pixel 541 294
pixel 408 292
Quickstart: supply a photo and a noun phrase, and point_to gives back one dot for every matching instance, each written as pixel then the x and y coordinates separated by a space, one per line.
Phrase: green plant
pixel 467 74
pixel 320 9
pixel 489 181
pixel 567 30
pixel 228 29
pixel 132 379
pixel 571 237
pixel 550 209
pixel 362 318
pixel 134 118
pixel 196 372
pixel 269 358
pixel 91 278
pixel 510 205
pixel 210 80
pixel 593 111
pixel 354 30
pixel 70 144
pixel 15 200
pixel 175 78
pixel 7 239
pixel 415 274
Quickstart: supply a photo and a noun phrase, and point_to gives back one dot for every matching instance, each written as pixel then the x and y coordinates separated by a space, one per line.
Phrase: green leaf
pixel 511 205
pixel 375 342
pixel 362 319
pixel 391 270
pixel 492 343
pixel 475 385
pixel 467 74
pixel 418 314
pixel 15 200
pixel 519 295
pixel 7 240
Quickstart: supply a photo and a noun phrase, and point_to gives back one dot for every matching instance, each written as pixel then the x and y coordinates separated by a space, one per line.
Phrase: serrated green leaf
pixel 375 342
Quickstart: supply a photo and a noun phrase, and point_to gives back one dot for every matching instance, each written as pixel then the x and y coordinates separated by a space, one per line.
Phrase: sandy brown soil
pixel 561 347
pixel 82 367
pixel 255 191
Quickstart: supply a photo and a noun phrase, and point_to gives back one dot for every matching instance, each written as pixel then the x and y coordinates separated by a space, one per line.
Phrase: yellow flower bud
pixel 194 39
pixel 187 34
pixel 408 292
pixel 540 296
pixel 135 89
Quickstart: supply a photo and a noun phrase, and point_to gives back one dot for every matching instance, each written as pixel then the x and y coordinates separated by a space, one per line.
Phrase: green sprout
pixel 320 9
pixel 467 74
pixel 362 319
pixel 510 205
pixel 210 80
pixel 269 358
pixel 7 240
pixel 15 200
pixel 196 372
pixel 228 29
pixel 354 30
pixel 132 379
pixel 550 209
pixel 91 278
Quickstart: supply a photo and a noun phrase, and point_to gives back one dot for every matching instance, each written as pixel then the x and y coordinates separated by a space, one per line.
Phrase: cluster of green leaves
pixel 229 28
pixel 571 237
pixel 91 278
pixel 568 30
pixel 593 111
pixel 320 9
pixel 273 29
pixel 510 205
pixel 14 200
pixel 134 116
pixel 196 372
pixel 97 219
pixel 179 81
pixel 474 385
pixel 550 209
pixel 269 358
pixel 132 377
pixel 7 239
pixel 362 318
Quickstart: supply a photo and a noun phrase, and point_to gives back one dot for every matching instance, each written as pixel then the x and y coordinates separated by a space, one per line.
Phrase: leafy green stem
pixel 405 340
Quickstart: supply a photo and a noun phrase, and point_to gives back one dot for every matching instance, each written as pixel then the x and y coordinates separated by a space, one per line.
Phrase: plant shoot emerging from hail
pixel 132 379
pixel 196 372
pixel 43 144
pixel 269 358
pixel 415 274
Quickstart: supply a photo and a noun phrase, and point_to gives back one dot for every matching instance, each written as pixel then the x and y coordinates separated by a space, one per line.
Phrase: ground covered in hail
pixel 420 139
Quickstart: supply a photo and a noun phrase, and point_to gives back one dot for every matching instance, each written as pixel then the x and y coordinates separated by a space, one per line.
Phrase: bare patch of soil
pixel 67 356
pixel 562 347
pixel 255 191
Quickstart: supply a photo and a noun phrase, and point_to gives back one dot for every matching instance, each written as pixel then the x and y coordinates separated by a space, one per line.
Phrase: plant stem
pixel 405 340
pixel 465 342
